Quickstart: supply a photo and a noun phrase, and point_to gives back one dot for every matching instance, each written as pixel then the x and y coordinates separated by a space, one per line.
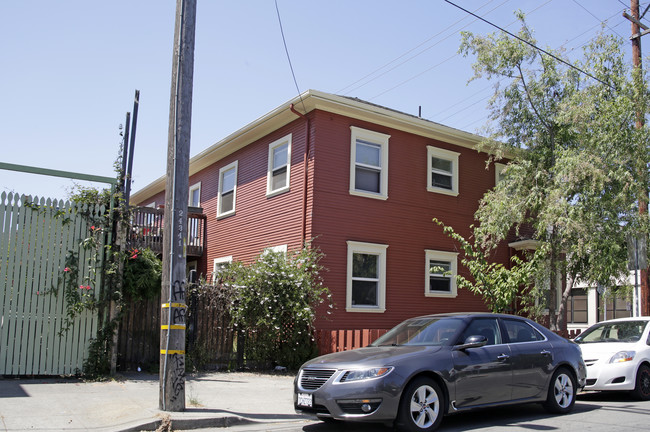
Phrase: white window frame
pixel 370 249
pixel 435 255
pixel 498 172
pixel 280 248
pixel 450 156
pixel 221 214
pixel 196 186
pixel 269 177
pixel 379 139
pixel 217 263
pixel 151 205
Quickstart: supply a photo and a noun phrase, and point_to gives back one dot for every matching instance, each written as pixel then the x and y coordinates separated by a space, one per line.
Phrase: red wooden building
pixel 364 181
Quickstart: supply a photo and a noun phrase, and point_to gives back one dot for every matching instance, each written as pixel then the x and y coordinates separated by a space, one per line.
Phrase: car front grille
pixel 313 379
pixel 590 362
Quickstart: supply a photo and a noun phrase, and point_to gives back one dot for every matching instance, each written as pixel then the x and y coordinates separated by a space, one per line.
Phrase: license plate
pixel 305 399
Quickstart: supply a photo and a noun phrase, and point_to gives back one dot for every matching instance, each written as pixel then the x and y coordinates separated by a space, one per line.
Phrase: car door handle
pixel 503 357
pixel 545 353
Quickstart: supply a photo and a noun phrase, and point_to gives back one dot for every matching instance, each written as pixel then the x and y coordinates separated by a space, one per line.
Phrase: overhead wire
pixel 564 44
pixel 413 49
pixel 598 19
pixel 441 63
pixel 286 50
pixel 530 44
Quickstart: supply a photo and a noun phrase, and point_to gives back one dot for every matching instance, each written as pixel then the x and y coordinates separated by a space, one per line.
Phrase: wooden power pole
pixel 172 318
pixel 635 19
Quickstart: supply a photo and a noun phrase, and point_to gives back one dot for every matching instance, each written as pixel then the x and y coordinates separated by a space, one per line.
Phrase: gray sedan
pixel 433 365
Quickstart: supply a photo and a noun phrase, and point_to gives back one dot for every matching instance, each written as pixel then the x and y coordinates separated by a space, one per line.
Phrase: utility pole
pixel 635 19
pixel 174 279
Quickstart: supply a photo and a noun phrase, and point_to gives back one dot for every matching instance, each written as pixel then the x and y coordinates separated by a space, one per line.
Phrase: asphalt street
pixel 594 412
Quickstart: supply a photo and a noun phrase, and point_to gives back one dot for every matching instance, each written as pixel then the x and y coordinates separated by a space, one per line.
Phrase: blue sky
pixel 70 69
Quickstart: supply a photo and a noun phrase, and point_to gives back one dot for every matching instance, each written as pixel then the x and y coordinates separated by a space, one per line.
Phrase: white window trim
pixel 196 186
pixel 375 138
pixel 498 170
pixel 280 248
pixel 269 175
pixel 435 255
pixel 447 155
pixel 217 261
pixel 151 204
pixel 373 249
pixel 220 214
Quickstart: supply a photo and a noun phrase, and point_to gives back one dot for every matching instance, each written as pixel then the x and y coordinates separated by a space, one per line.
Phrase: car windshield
pixel 422 331
pixel 621 331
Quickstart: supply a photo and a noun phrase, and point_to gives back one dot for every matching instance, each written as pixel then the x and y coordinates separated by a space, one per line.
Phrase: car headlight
pixel 362 374
pixel 622 356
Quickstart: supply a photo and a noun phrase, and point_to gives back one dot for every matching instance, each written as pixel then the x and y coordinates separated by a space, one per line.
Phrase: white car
pixel 617 355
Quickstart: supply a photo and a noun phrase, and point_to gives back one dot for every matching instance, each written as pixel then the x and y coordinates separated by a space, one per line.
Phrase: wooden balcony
pixel 146 230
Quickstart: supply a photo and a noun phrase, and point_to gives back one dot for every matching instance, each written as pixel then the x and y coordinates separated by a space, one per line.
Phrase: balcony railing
pixel 146 230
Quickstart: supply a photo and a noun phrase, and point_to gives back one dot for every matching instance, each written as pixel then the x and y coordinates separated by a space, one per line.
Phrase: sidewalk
pixel 216 399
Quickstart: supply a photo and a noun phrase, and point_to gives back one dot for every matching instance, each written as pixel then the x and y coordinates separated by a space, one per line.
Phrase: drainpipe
pixel 306 175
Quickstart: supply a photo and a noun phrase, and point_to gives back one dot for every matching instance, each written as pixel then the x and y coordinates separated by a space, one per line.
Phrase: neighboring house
pixel 363 182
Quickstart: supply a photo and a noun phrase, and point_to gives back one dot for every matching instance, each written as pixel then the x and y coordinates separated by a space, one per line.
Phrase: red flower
pixel 67 269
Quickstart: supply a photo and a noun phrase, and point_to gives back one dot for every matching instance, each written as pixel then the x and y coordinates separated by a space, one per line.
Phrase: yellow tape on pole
pixel 176 305
pixel 172 352
pixel 173 327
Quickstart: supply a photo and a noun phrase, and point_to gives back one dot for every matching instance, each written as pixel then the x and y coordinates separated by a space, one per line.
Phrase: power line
pixel 286 50
pixel 530 44
pixel 413 49
pixel 598 19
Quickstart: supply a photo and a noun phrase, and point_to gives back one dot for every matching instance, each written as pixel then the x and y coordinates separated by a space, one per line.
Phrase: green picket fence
pixel 35 238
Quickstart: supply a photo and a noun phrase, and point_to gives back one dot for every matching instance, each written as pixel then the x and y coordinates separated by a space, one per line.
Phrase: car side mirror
pixel 474 341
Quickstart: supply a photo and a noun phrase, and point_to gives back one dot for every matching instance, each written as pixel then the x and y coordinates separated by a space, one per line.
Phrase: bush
pixel 274 304
pixel 142 274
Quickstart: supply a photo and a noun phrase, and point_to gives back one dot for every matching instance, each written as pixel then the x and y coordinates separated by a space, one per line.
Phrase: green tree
pixel 573 156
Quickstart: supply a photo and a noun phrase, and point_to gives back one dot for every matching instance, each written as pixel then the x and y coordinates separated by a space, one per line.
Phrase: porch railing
pixel 146 230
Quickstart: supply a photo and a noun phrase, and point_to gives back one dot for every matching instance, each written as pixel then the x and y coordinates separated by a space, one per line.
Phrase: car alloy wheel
pixel 561 393
pixel 642 386
pixel 421 407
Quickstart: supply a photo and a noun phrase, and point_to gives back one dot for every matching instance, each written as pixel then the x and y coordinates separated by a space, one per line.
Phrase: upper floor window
pixel 227 190
pixel 369 163
pixel 279 166
pixel 195 195
pixel 498 172
pixel 442 169
pixel 440 273
pixel 366 279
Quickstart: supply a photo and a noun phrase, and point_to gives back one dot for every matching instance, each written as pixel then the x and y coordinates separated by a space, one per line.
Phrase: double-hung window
pixel 227 190
pixel 369 163
pixel 366 281
pixel 442 169
pixel 218 265
pixel 440 273
pixel 279 166
pixel 195 195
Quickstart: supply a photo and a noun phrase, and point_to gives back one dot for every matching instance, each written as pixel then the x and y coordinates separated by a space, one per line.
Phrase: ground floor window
pixel 366 277
pixel 440 273
pixel 614 305
pixel 577 309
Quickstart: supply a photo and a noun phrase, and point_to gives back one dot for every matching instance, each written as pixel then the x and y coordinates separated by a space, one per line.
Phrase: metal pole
pixel 129 169
pixel 173 308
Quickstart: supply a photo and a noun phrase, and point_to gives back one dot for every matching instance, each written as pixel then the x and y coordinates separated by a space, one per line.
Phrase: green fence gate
pixel 36 237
